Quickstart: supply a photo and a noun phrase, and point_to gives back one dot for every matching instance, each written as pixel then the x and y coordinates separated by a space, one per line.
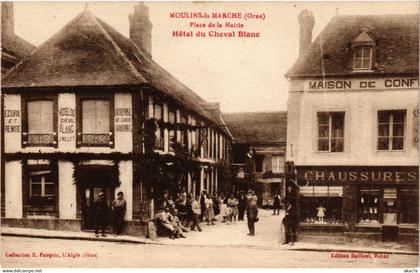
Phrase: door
pixel 91 194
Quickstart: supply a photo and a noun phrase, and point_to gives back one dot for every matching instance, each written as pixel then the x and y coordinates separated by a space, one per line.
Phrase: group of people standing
pixel 186 211
pixel 101 214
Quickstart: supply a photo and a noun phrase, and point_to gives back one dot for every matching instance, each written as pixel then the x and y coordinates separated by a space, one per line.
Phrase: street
pixel 130 255
pixel 220 245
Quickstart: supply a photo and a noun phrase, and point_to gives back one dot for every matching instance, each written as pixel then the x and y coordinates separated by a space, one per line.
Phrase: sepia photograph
pixel 221 134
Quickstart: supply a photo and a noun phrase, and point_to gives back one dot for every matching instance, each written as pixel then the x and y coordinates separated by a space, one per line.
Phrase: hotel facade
pixel 89 111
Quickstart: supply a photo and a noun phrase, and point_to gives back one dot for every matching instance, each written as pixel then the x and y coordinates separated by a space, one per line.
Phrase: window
pixel 277 163
pixel 204 141
pixel 369 205
pixel 184 132
pixel 391 130
pixel 315 198
pixel 158 115
pixel 172 132
pixel 41 184
pixel 409 203
pixel 259 163
pixel 331 132
pixel 362 57
pixel 40 125
pixel 40 190
pixel 96 127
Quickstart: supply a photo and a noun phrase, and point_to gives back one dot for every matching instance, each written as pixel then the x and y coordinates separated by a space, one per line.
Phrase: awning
pixel 321 191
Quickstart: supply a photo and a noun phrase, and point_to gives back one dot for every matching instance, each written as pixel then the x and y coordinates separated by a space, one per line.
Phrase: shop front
pixel 377 201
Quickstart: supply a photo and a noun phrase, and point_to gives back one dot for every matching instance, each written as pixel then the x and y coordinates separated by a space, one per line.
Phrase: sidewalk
pixel 222 235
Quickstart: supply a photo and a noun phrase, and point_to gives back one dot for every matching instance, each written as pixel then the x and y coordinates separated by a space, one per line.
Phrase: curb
pixel 122 240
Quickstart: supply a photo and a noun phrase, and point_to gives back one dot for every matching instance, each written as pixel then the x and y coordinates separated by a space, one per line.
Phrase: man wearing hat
pixel 118 208
pixel 101 209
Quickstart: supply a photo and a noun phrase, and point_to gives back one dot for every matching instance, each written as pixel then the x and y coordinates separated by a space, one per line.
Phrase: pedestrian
pixel 252 215
pixel 119 206
pixel 196 214
pixel 233 205
pixel 222 208
pixel 290 222
pixel 100 214
pixel 166 218
pixel 242 206
pixel 209 213
pixel 203 204
pixel 276 204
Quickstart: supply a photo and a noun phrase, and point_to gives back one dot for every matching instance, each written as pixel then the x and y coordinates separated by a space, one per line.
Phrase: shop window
pixel 277 163
pixel 369 205
pixel 259 159
pixel 158 115
pixel 331 131
pixel 391 130
pixel 409 204
pixel 96 122
pixel 321 204
pixel 362 57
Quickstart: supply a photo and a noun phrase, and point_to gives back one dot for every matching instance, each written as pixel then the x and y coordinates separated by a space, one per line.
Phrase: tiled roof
pixel 16 46
pixel 397 46
pixel 88 52
pixel 257 127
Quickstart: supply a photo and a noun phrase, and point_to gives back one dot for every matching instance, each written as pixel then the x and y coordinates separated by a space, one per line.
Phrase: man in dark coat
pixel 290 222
pixel 101 210
pixel 203 204
pixel 276 204
pixel 252 215
pixel 119 206
pixel 242 206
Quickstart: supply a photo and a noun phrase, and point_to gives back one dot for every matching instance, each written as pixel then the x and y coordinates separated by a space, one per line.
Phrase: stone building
pixel 90 111
pixel 353 126
pixel 261 138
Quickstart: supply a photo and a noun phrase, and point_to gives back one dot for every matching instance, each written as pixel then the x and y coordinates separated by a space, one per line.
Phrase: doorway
pixel 90 195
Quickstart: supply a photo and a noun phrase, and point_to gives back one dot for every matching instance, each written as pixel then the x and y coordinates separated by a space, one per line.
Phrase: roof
pixel 397 46
pixel 257 127
pixel 89 52
pixel 16 46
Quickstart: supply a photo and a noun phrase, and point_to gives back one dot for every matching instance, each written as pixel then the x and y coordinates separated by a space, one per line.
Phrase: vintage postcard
pixel 209 134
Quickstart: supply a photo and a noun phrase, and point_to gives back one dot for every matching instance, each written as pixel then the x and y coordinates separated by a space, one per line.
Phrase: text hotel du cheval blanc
pixel 216 24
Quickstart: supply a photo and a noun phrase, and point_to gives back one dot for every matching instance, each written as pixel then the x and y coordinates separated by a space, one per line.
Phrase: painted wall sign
pixel 12 121
pixel 123 120
pixel 361 84
pixel 67 124
pixel 353 174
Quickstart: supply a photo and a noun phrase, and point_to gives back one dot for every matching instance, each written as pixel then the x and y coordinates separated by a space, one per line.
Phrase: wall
pixel 360 125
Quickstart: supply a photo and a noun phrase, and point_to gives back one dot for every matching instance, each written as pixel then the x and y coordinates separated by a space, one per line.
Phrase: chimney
pixel 141 29
pixel 7 25
pixel 306 22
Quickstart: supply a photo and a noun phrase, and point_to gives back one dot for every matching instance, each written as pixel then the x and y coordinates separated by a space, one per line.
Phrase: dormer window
pixel 363 46
pixel 362 58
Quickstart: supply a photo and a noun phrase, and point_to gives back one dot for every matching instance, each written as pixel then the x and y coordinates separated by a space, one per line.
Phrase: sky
pixel 242 74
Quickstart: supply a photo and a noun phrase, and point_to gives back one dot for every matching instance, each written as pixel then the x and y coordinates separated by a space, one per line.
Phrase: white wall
pixel 126 186
pixel 12 123
pixel 13 189
pixel 360 130
pixel 66 191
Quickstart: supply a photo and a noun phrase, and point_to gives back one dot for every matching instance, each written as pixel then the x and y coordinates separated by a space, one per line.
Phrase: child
pixel 321 213
pixel 228 213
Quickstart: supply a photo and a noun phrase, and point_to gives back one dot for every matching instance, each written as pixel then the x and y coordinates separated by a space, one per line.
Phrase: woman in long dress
pixel 233 204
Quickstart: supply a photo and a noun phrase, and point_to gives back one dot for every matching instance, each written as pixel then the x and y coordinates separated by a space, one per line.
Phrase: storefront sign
pixel 67 122
pixel 327 175
pixel 361 84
